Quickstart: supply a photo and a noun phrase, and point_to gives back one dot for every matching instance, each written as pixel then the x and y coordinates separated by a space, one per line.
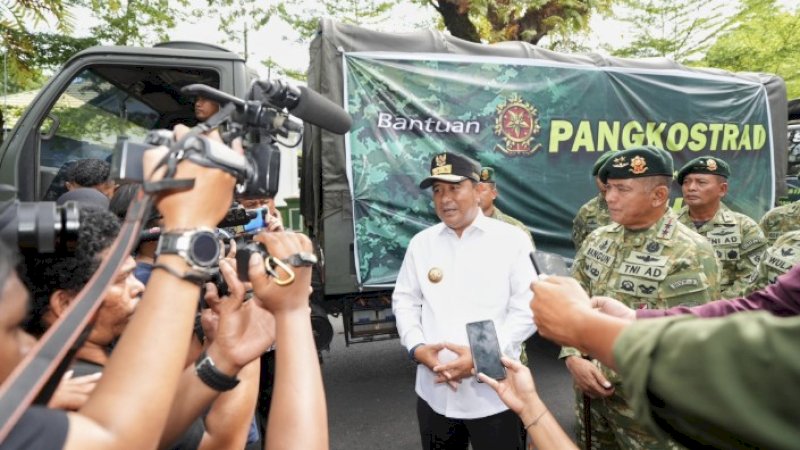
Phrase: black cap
pixel 705 164
pixel 637 162
pixel 451 168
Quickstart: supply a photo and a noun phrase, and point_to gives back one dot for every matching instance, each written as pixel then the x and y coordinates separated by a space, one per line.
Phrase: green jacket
pixel 728 383
pixel 591 216
pixel 777 260
pixel 738 243
pixel 780 220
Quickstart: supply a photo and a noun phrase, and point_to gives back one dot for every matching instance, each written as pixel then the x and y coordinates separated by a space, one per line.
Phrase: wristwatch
pixel 200 248
pixel 211 376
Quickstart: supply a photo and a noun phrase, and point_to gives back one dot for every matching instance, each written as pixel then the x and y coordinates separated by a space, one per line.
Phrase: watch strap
pixel 211 376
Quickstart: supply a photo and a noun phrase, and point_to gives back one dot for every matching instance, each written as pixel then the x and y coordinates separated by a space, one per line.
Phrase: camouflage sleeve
pixel 579 231
pixel 753 246
pixel 760 278
pixel 577 273
pixel 696 277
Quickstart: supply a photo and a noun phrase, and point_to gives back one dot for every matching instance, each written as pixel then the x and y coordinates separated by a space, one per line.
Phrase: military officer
pixel 780 220
pixel 646 259
pixel 594 213
pixel 736 238
pixel 777 260
pixel 488 194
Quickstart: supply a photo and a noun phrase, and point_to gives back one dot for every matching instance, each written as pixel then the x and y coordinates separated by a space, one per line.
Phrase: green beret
pixel 705 164
pixel 639 162
pixel 487 175
pixel 600 161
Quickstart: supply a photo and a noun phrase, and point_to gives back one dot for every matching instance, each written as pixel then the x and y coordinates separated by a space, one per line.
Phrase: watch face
pixel 205 249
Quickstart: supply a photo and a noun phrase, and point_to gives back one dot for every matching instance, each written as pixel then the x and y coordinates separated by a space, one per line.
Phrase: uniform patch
pixel 684 282
pixel 724 237
pixel 637 287
pixel 727 254
pixel 643 271
pixel 755 242
pixel 776 262
pixel 599 255
pixel 653 247
pixel 667 228
pixel 591 271
pixel 646 259
pixel 755 258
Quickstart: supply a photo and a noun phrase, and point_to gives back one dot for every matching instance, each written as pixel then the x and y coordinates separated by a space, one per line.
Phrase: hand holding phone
pixel 485 349
pixel 549 264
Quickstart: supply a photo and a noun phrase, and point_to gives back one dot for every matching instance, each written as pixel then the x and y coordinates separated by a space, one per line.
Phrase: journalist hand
pixel 239 331
pixel 558 305
pixel 517 390
pixel 292 297
pixel 202 206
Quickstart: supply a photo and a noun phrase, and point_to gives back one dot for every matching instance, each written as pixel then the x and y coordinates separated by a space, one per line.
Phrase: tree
pixel 134 22
pixel 677 29
pixel 528 20
pixel 765 39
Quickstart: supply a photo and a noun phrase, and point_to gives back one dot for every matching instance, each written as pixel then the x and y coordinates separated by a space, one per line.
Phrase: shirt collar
pixel 480 223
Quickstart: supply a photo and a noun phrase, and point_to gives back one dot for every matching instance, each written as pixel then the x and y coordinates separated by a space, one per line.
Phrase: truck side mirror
pixel 49 127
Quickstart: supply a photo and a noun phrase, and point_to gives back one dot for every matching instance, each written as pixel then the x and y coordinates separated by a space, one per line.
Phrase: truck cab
pixel 103 94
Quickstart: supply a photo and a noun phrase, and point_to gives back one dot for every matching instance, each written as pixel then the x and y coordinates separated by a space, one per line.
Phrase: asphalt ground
pixel 371 400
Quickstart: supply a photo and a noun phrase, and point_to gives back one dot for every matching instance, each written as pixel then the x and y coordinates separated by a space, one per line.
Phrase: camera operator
pixel 132 401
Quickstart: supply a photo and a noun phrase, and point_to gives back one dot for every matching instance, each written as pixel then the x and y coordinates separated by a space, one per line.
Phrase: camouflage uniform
pixel 592 215
pixel 738 243
pixel 780 220
pixel 663 266
pixel 777 260
pixel 499 215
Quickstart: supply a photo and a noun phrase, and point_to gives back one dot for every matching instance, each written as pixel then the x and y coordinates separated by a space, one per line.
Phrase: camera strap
pixel 40 372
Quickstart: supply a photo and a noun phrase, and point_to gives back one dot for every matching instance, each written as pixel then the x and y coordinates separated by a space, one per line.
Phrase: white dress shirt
pixel 486 274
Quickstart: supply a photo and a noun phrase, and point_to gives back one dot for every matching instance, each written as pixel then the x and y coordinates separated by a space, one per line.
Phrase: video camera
pixel 43 227
pixel 260 118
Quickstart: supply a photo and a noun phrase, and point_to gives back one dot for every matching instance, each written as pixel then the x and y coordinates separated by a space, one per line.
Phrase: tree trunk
pixel 457 23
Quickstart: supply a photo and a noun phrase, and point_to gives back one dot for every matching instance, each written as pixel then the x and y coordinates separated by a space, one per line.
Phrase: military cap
pixel 487 175
pixel 639 162
pixel 600 161
pixel 705 164
pixel 451 168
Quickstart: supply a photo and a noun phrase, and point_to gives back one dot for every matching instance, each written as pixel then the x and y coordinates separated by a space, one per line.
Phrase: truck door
pixel 89 105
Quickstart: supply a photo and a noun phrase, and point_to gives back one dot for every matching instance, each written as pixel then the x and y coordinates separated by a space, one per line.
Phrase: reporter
pixel 727 382
pixel 138 385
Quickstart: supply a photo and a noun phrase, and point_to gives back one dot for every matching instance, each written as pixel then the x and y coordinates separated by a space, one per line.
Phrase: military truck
pixel 540 118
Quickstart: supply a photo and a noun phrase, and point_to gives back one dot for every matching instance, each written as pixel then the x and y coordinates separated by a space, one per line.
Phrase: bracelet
pixel 536 420
pixel 192 276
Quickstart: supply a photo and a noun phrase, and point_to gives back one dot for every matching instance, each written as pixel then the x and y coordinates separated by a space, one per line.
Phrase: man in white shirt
pixel 467 268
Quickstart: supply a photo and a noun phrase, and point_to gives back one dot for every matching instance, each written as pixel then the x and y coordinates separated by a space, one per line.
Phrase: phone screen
pixel 485 349
pixel 549 264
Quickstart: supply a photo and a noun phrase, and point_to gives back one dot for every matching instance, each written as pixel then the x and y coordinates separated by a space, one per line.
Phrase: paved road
pixel 370 392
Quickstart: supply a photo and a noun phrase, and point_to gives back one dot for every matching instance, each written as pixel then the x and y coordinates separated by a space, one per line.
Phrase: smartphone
pixel 549 264
pixel 485 349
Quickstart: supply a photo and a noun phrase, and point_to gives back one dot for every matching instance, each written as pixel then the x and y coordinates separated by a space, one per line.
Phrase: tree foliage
pixel 677 29
pixel 766 38
pixel 31 54
pixel 527 20
pixel 134 22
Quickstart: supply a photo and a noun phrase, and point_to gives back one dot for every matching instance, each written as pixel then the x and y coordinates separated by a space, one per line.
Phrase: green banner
pixel 541 125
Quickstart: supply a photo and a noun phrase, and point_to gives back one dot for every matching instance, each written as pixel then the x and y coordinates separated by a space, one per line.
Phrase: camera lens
pixel 41 226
